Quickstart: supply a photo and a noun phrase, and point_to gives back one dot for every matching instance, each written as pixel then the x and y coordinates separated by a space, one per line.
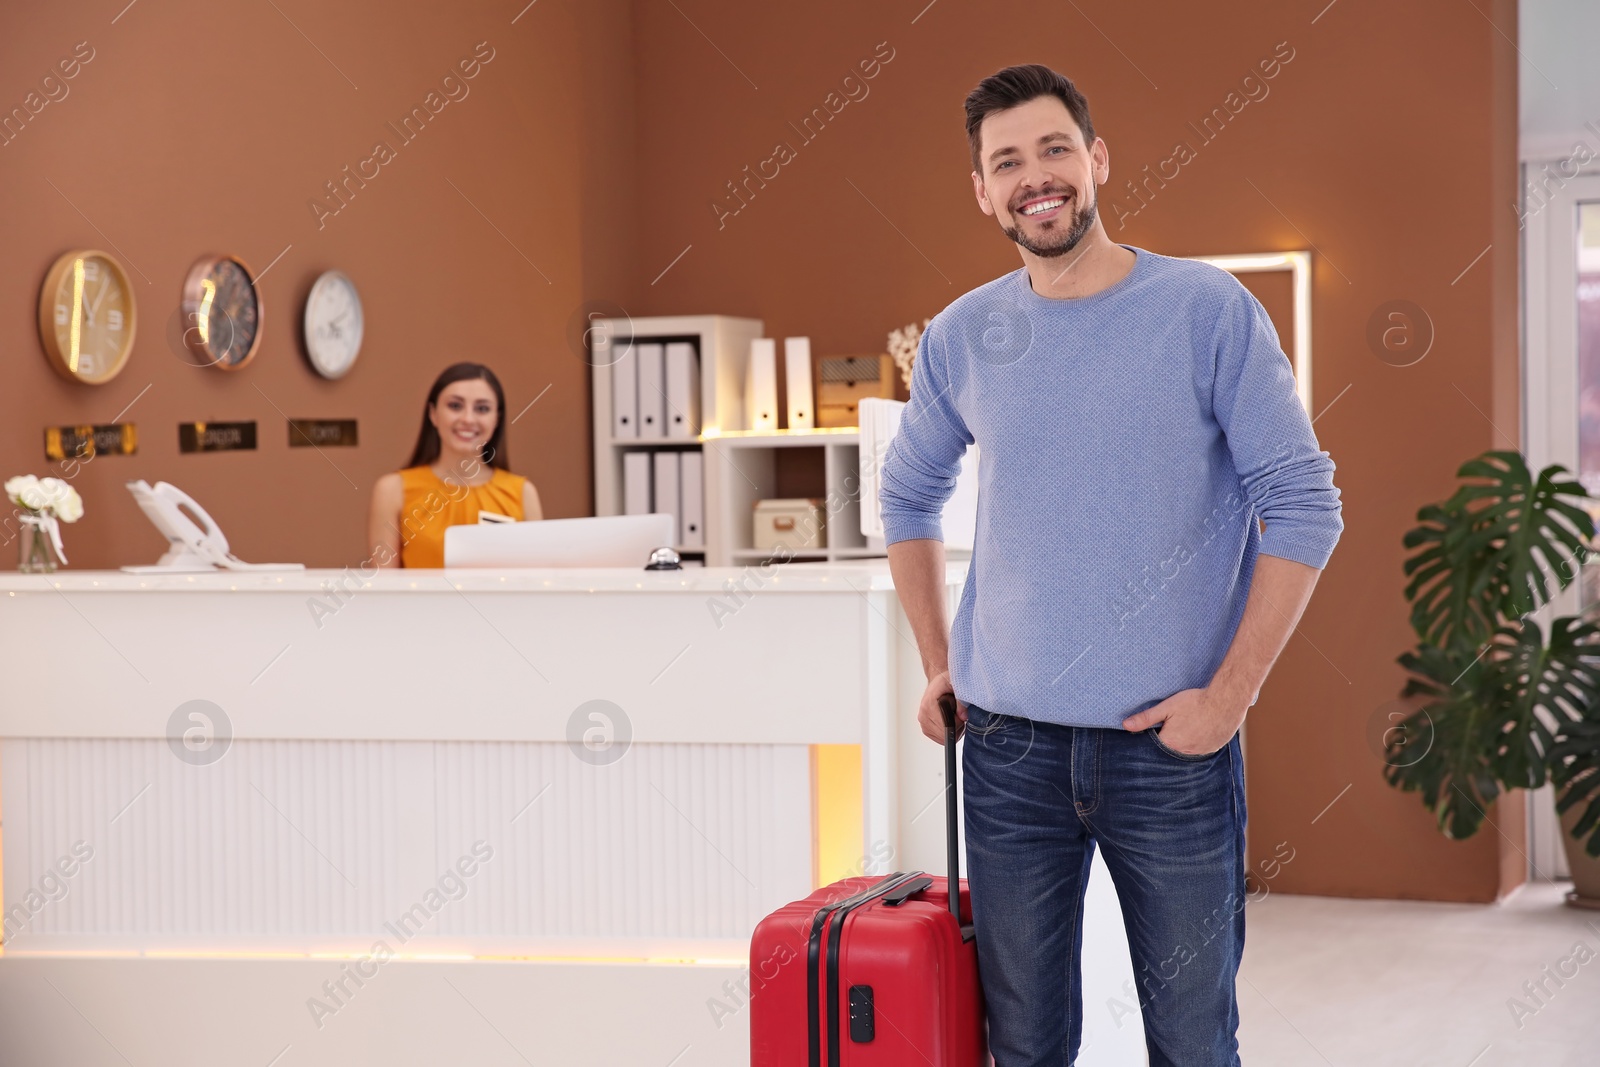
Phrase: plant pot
pixel 1585 868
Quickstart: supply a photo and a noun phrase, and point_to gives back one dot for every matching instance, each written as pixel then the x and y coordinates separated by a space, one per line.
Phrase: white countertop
pixel 854 577
pixel 490 655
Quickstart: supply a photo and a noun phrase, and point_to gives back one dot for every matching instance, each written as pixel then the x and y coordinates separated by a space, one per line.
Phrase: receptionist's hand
pixel 930 718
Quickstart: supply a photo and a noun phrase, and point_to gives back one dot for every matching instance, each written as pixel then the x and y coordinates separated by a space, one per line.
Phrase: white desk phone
pixel 194 541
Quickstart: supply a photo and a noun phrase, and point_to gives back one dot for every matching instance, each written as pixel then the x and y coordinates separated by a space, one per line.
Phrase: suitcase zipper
pixel 839 909
pixel 835 935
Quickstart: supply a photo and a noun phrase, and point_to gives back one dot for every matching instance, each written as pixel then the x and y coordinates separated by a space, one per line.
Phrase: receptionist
pixel 457 471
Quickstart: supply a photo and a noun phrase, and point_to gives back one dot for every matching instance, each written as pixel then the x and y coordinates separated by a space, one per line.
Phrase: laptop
pixel 609 541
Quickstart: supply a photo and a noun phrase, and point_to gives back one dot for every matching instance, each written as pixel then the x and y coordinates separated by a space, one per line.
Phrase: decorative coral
pixel 903 348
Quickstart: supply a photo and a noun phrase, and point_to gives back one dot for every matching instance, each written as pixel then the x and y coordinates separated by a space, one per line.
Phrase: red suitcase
pixel 871 972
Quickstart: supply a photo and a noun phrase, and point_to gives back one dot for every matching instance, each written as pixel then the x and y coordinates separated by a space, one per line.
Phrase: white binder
pixel 652 390
pixel 683 391
pixel 636 483
pixel 691 489
pixel 761 386
pixel 666 491
pixel 625 393
pixel 797 378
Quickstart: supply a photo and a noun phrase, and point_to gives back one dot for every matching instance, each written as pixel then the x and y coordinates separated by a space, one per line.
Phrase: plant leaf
pixel 1486 553
pixel 1493 716
pixel 1575 771
pixel 1533 691
pixel 1437 750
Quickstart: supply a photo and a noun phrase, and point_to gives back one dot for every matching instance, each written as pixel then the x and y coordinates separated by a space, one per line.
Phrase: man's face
pixel 1039 181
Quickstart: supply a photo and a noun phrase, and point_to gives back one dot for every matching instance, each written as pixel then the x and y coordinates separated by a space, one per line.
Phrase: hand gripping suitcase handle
pixel 947 708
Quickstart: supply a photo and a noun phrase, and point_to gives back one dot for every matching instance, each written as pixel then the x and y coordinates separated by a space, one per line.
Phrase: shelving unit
pixel 742 468
pixel 722 344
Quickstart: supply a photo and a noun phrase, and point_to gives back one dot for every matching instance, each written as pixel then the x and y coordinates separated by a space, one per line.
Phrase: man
pixel 1135 416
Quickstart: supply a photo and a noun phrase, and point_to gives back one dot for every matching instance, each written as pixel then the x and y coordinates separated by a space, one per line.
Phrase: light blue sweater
pixel 1128 442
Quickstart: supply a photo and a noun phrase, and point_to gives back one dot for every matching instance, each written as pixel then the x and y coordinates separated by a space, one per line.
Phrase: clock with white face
pixel 333 324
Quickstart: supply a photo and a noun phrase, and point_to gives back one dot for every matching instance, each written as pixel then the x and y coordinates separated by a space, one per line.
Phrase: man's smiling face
pixel 1038 179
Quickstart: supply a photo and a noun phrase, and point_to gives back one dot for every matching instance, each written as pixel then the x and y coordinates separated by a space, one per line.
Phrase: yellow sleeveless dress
pixel 429 506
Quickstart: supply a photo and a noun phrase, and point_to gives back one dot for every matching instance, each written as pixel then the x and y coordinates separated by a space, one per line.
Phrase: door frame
pixel 1550 394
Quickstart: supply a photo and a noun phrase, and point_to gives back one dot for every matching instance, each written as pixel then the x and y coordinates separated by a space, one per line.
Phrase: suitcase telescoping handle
pixel 947 708
pixel 894 890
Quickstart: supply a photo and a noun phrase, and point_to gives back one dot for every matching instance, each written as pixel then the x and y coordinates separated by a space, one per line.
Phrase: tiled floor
pixel 1362 983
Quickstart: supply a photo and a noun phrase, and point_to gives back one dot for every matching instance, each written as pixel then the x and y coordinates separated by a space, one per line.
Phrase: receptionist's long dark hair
pixel 493 453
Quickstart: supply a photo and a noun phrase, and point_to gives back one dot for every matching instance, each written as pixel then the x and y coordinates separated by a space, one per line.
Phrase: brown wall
pixel 598 141
pixel 1387 143
pixel 199 128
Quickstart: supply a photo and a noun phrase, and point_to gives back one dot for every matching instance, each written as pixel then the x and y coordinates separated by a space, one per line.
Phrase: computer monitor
pixel 609 541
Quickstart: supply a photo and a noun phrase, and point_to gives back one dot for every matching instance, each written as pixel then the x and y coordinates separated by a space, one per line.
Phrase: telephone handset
pixel 194 541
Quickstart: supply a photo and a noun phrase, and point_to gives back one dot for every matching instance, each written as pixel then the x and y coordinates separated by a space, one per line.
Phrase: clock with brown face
pixel 221 312
pixel 87 317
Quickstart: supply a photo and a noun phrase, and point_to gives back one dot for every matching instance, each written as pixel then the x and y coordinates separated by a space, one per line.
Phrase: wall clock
pixel 221 312
pixel 87 316
pixel 333 324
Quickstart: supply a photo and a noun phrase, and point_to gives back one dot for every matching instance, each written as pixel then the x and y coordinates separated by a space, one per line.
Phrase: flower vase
pixel 38 551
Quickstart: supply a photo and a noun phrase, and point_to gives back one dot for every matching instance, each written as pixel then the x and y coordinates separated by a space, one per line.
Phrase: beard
pixel 1065 240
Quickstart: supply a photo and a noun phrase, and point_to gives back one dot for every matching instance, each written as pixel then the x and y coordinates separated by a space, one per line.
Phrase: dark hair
pixel 1015 86
pixel 493 453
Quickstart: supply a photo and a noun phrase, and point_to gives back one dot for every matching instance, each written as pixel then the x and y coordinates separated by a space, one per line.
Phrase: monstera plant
pixel 1494 704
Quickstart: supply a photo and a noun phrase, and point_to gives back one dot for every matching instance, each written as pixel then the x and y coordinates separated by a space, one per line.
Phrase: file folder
pixel 691 489
pixel 797 379
pixel 761 386
pixel 683 391
pixel 625 393
pixel 636 483
pixel 652 390
pixel 666 491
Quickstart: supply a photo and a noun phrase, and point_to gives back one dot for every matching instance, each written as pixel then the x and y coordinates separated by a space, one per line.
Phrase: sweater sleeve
pixel 1286 477
pixel 921 464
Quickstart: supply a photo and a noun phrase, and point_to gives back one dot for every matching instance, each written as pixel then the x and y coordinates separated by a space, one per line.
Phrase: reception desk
pixel 440 816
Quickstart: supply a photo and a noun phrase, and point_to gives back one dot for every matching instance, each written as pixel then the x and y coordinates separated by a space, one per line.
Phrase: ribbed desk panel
pixel 306 844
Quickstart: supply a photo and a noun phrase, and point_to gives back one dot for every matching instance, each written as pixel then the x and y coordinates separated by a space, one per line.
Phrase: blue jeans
pixel 1039 798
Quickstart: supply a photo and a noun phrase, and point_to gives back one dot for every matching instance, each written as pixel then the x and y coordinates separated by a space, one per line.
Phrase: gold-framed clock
pixel 221 312
pixel 87 316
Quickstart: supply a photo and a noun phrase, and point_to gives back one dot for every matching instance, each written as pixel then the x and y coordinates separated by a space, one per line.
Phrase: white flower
pixel 68 504
pixel 50 495
pixel 15 487
pixel 26 491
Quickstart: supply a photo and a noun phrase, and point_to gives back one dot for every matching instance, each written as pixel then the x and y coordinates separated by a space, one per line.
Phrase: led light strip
pixel 1299 265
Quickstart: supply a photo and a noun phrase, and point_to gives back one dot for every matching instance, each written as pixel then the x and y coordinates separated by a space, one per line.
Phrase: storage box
pixel 842 381
pixel 797 525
